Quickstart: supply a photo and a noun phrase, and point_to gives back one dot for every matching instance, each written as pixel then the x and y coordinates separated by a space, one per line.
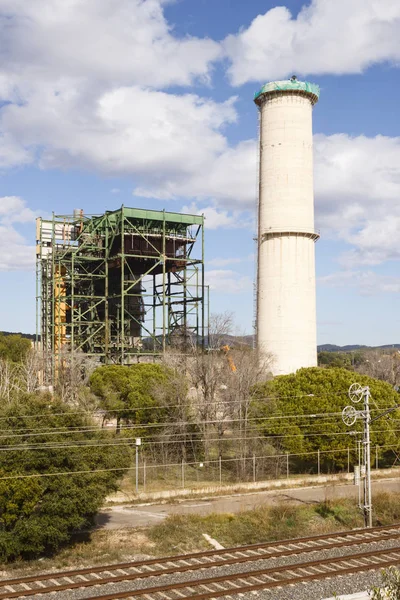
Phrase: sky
pixel 149 103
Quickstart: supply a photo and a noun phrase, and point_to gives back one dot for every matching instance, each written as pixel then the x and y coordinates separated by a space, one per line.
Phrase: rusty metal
pixel 191 585
pixel 359 536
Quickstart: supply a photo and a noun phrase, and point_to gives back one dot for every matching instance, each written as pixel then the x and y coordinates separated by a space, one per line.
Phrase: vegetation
pixel 127 393
pixel 346 360
pixel 40 511
pixel 14 347
pixel 215 410
pixel 316 391
pixel 184 533
pixel 390 589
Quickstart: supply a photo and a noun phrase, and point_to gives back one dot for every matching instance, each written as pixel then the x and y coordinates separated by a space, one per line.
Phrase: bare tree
pixel 179 435
pixel 221 326
pixel 9 383
pixel 383 366
pixel 30 370
pixel 73 374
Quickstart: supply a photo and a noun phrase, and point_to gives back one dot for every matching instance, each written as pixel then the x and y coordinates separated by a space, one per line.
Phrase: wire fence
pixel 149 476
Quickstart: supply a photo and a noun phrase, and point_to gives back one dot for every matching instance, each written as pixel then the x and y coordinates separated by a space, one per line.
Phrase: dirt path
pixel 141 515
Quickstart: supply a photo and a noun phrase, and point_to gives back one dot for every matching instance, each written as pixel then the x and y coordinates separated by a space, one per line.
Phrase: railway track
pixel 221 585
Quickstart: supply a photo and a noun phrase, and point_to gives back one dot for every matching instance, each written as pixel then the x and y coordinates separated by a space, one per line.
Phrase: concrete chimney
pixel 286 311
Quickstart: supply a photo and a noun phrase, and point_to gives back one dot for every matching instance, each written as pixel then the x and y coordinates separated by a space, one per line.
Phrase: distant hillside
pixel 351 348
pixel 28 336
pixel 233 340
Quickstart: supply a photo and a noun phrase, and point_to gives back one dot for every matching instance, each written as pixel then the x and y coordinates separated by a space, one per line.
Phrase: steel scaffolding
pixel 120 286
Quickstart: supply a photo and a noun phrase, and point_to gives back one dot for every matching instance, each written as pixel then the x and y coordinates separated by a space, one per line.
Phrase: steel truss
pixel 121 286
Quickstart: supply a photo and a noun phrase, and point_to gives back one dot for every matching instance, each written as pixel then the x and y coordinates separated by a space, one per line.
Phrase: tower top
pixel 292 85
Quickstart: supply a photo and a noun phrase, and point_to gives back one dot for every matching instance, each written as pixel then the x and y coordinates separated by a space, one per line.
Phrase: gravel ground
pixel 308 591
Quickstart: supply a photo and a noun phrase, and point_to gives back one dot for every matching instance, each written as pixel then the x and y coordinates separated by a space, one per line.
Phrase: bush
pixel 14 347
pixel 391 583
pixel 316 391
pixel 39 510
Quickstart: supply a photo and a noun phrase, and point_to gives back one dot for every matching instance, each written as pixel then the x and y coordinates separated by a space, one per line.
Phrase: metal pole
pixel 137 469
pixel 319 463
pixel 359 467
pixel 254 468
pixel 287 465
pixel 368 504
pixel 202 287
pixel 220 470
pixel 164 324
pixel 144 475
pixel 183 473
pixel 376 458
pixel 348 460
pixel 122 283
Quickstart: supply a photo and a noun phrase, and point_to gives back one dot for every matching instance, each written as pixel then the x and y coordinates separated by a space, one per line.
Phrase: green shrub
pixel 39 513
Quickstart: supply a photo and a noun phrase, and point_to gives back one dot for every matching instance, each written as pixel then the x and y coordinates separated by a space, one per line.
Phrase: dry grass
pixel 100 547
pixel 183 533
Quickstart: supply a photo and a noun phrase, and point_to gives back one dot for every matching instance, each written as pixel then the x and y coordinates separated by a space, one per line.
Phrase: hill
pixel 28 336
pixel 353 347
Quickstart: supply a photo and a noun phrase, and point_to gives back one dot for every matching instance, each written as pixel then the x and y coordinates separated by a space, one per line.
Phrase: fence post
pixel 287 465
pixel 183 473
pixel 220 470
pixel 254 468
pixel 376 457
pixel 144 475
pixel 319 463
pixel 348 460
pixel 137 470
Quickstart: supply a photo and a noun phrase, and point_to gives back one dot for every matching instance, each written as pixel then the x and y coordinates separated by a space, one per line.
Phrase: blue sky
pixel 149 103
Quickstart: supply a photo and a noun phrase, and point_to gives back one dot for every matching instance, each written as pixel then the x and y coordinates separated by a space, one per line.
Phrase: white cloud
pixel 357 188
pixel 79 79
pixel 228 177
pixel 216 219
pixel 224 262
pixel 165 136
pixel 15 253
pixel 228 282
pixel 326 37
pixel 367 282
pixel 112 42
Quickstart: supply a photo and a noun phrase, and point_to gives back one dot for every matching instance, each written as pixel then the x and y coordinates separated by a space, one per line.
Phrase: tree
pixel 14 347
pixel 56 468
pixel 382 365
pixel 74 370
pixel 335 359
pixel 301 413
pixel 180 436
pixel 250 370
pixel 127 393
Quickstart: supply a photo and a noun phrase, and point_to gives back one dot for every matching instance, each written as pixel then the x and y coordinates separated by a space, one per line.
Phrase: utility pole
pixel 350 415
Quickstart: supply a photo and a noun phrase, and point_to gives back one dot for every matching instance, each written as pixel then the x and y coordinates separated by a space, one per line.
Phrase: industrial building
pixel 120 286
pixel 286 304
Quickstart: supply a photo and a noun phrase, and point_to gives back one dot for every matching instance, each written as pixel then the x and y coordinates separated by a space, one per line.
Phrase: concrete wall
pixel 286 311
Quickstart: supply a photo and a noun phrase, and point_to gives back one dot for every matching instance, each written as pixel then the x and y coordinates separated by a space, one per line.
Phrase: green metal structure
pixel 121 286
pixel 302 88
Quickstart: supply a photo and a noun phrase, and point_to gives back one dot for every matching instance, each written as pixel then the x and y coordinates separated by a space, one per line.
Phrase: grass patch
pixel 183 533
pixel 386 508
pixel 100 547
